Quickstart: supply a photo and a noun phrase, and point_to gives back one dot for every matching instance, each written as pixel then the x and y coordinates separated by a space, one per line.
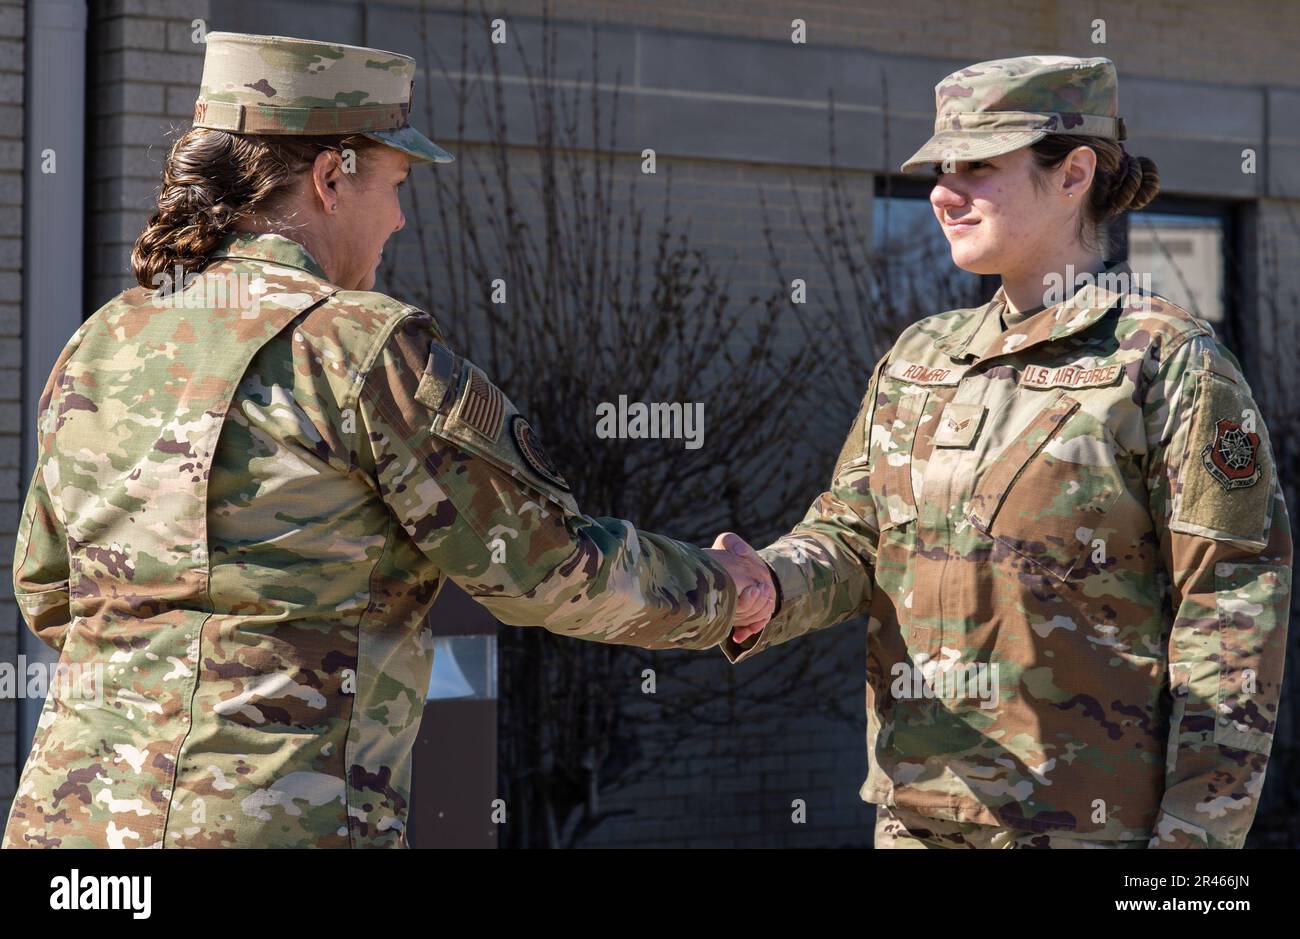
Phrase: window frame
pixel 1228 213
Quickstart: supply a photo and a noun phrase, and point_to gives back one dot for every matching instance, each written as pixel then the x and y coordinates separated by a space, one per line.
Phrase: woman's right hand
pixel 755 592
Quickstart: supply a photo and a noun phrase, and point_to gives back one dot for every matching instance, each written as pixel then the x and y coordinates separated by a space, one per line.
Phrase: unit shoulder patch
pixel 1232 457
pixel 1225 483
pixel 530 449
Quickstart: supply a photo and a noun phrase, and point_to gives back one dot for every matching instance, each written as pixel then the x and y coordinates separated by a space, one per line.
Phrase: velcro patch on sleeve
pixel 482 405
pixel 531 449
pixel 485 424
pixel 440 374
pixel 1226 479
pixel 857 443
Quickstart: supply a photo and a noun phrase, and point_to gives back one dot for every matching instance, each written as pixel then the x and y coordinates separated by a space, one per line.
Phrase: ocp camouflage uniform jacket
pixel 1084 507
pixel 242 513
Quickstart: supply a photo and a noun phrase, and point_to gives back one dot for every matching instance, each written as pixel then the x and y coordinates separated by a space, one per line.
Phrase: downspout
pixel 54 205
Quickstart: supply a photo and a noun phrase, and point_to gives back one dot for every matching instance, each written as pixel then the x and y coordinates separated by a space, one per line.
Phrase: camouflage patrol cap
pixel 992 108
pixel 278 85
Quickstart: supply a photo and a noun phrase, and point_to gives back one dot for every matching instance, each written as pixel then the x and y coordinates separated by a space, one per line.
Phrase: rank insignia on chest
pixel 1232 456
pixel 958 425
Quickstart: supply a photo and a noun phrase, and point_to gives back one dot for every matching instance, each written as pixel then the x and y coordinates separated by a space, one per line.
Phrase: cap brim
pixel 413 143
pixel 966 145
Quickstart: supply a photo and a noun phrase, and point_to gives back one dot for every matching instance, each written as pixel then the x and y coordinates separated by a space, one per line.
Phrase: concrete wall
pixel 1243 43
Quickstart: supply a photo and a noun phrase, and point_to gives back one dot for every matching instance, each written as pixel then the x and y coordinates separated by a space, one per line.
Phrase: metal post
pixel 53 213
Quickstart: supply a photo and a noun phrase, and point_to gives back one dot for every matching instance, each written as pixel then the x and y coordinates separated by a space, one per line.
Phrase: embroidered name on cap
pixel 925 374
pixel 1069 376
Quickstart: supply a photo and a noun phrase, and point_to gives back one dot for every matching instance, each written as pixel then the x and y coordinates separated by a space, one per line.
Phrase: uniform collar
pixel 1083 308
pixel 274 249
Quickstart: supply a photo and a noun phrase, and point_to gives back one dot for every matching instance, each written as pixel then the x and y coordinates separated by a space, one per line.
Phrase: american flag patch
pixel 483 406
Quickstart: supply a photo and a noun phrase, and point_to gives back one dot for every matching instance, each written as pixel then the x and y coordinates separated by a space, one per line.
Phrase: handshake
pixel 755 591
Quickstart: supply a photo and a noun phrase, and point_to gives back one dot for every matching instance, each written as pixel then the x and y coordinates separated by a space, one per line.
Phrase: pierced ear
pixel 325 176
pixel 1079 167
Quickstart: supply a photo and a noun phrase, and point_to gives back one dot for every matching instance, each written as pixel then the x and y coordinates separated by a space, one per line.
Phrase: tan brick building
pixel 1208 90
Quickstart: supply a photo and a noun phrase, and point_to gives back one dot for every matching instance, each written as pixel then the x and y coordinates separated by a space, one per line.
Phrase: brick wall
pixel 12 20
pixel 1242 43
pixel 144 75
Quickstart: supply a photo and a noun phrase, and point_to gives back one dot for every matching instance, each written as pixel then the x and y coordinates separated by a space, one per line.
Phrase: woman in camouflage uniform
pixel 1059 510
pixel 254 476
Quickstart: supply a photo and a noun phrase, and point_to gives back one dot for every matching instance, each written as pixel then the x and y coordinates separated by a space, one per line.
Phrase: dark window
pixel 909 242
pixel 1189 249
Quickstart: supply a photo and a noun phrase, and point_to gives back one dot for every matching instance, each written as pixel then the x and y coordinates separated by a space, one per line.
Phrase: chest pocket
pixel 1046 492
pixel 893 433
